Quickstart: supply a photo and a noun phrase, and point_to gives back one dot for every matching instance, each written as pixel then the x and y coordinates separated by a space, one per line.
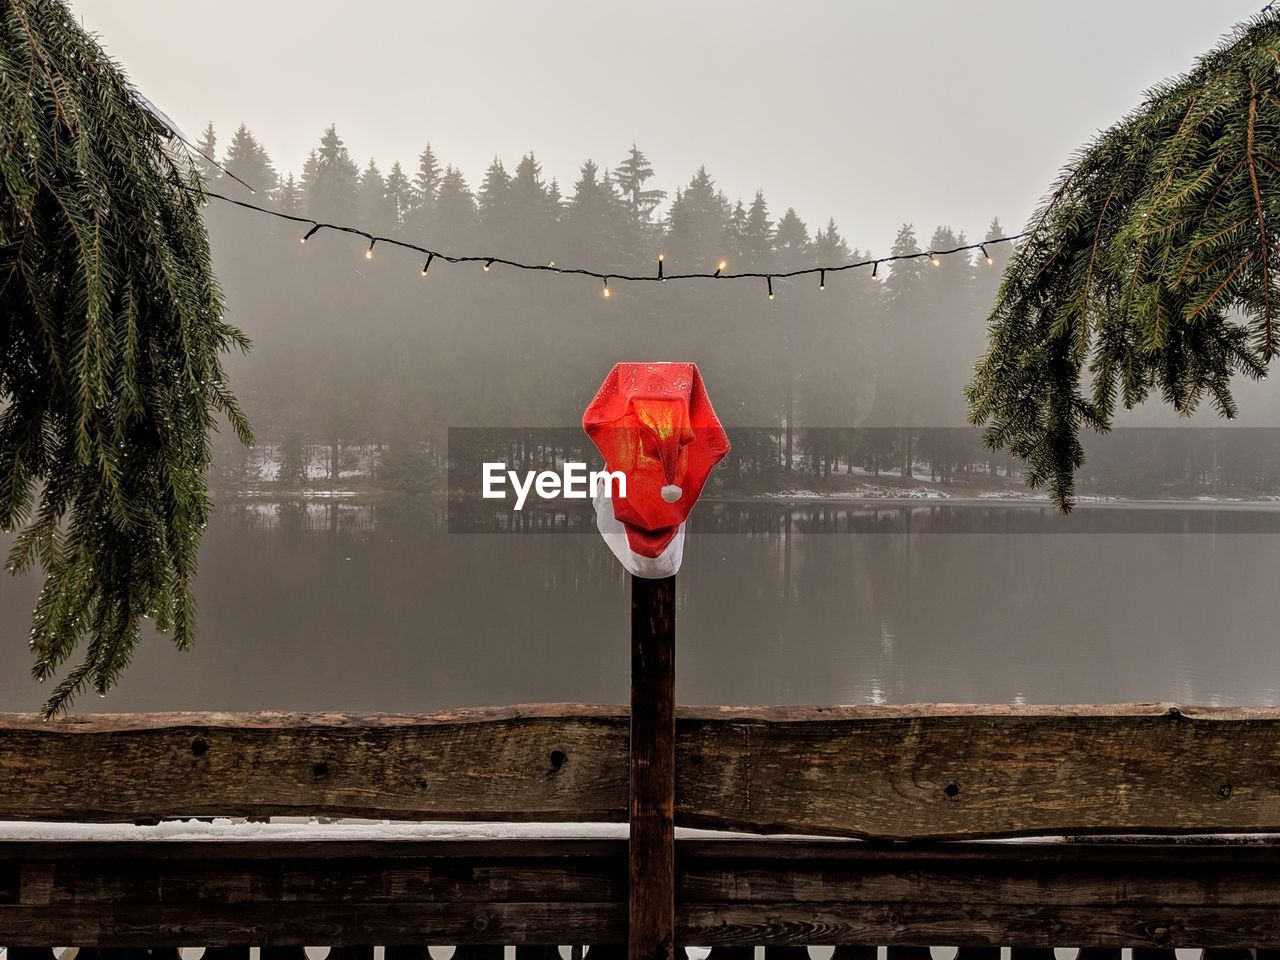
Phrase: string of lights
pixel 659 275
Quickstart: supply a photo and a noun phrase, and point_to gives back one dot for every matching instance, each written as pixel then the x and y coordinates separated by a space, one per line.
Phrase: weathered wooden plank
pixel 282 924
pixel 381 880
pixel 651 842
pixel 939 771
pixel 961 923
pixel 520 764
pixel 932 771
pixel 731 894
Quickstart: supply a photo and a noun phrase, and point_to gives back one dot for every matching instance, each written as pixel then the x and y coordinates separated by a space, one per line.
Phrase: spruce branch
pixel 111 343
pixel 1150 266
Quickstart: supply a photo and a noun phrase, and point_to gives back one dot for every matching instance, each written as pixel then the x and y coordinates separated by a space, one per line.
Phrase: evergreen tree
pixel 947 326
pixel 757 235
pixel 247 159
pixel 399 196
pixel 791 241
pixel 111 338
pixel 696 225
pixel 631 175
pixel 734 230
pixel 372 209
pixel 594 219
pixel 330 179
pixel 903 306
pixel 454 220
pixel 426 189
pixel 1152 266
pixel 491 201
pixel 555 202
pixel 207 148
pixel 290 199
pixel 427 180
pixel 829 246
pixel 529 210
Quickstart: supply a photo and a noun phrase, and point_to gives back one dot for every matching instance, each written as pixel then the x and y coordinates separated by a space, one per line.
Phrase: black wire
pixel 316 225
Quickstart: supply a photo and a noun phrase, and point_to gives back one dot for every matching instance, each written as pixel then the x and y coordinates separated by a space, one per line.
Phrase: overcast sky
pixel 874 113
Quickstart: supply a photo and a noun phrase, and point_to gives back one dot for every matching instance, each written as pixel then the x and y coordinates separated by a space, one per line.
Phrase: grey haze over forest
pixel 330 576
pixel 875 114
pixel 778 136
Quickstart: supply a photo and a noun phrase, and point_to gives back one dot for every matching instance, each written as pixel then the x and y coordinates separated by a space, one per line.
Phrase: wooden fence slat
pixel 475 951
pixel 357 953
pixel 557 763
pixel 786 953
pixel 880 772
pixel 849 952
pixel 226 953
pixel 652 762
pixel 386 880
pixel 290 924
pixel 1104 896
pixel 970 771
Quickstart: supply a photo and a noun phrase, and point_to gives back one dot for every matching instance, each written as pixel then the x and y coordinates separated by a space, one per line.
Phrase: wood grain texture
pixel 909 772
pixel 730 893
pixel 651 843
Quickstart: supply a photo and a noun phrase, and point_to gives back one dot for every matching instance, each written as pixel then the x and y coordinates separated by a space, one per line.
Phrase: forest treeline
pixel 350 351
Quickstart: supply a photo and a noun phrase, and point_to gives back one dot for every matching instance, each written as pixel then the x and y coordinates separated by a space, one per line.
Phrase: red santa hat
pixel 654 423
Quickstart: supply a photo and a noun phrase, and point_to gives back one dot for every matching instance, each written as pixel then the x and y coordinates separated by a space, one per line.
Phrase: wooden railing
pixel 907 782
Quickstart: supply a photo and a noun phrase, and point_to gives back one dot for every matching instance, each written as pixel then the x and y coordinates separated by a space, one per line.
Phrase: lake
pixel 335 605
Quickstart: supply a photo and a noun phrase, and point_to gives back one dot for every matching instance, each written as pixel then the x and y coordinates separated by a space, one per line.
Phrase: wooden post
pixel 651 932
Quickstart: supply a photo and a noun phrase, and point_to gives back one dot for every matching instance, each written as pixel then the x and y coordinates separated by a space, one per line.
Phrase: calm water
pixel 333 605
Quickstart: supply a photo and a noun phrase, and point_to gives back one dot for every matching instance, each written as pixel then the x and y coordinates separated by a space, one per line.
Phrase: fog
pixel 778 137
pixel 876 114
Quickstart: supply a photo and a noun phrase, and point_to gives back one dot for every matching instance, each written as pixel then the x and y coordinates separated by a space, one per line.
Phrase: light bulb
pixel 604 291
pixel 769 281
pixel 487 265
pixel 551 263
pixel 822 279
pixel 368 254
pixel 933 258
